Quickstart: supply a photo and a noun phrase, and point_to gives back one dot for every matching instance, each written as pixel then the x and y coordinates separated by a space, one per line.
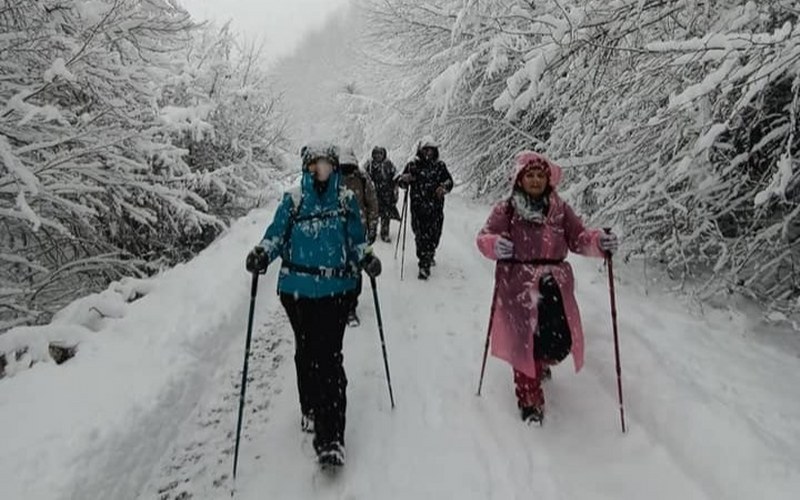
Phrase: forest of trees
pixel 130 136
pixel 676 121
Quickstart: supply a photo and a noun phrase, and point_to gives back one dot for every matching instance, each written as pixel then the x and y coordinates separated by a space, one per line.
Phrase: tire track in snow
pixel 199 463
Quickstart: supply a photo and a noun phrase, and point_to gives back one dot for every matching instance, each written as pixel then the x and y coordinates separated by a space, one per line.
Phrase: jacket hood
pixel 529 159
pixel 316 150
pixel 428 142
pixel 347 156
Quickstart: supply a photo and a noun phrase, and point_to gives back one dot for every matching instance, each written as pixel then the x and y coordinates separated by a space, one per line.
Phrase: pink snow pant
pixel 529 390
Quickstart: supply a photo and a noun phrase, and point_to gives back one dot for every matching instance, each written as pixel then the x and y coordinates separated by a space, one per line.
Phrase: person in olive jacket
pixel 361 185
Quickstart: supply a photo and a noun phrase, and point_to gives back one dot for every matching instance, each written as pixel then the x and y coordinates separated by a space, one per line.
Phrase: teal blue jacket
pixel 312 230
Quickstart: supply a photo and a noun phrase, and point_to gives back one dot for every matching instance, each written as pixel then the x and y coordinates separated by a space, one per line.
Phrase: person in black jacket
pixel 382 172
pixel 429 181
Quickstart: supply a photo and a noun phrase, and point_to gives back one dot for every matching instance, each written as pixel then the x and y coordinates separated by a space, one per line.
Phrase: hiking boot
pixel 532 415
pixel 424 273
pixel 331 455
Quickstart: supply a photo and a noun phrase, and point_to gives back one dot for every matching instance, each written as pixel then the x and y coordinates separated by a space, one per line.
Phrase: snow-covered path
pixel 712 413
pixel 444 442
pixel 709 416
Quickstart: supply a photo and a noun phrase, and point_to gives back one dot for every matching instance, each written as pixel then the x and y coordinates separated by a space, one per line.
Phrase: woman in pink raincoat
pixel 535 322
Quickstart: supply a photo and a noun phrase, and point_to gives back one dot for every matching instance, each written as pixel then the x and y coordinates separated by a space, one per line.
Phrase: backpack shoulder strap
pixel 296 195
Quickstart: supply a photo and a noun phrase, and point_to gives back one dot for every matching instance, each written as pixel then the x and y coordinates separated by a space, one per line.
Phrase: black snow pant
pixel 427 227
pixel 385 223
pixel 319 326
pixel 387 212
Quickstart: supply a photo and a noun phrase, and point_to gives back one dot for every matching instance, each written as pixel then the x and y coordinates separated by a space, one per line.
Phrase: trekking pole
pixel 612 293
pixel 405 234
pixel 383 340
pixel 488 336
pixel 253 291
pixel 400 227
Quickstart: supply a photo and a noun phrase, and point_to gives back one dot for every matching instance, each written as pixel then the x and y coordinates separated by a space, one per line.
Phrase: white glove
pixel 609 242
pixel 503 248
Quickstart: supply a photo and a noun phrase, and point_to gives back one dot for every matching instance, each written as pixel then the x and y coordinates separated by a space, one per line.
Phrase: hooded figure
pixel 535 319
pixel 382 172
pixel 361 185
pixel 318 234
pixel 428 181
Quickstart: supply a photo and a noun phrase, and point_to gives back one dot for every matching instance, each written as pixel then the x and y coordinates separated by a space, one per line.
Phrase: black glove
pixel 257 260
pixel 371 265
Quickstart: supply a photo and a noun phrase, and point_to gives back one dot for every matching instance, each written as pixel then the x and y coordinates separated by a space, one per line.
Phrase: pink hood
pixel 525 159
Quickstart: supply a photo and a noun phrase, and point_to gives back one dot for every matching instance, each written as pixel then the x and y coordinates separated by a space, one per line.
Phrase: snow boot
pixel 331 456
pixel 307 423
pixel 532 415
pixel 424 273
pixel 424 269
pixel 353 319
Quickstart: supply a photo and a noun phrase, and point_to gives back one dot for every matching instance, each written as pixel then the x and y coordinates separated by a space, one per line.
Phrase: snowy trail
pixel 711 412
pixel 700 426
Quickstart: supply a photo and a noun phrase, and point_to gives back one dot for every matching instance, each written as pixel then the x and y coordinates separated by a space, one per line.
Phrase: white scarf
pixel 530 209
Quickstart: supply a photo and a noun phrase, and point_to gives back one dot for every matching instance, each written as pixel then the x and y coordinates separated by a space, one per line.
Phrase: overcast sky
pixel 281 23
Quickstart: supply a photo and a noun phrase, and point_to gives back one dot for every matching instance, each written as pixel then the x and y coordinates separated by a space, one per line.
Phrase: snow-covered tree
pixel 113 160
pixel 675 120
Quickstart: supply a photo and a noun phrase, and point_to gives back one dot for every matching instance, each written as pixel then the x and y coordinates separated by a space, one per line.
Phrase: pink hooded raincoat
pixel 514 308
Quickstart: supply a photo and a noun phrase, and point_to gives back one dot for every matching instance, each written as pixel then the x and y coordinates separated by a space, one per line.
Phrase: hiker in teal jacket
pixel 317 225
pixel 318 234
